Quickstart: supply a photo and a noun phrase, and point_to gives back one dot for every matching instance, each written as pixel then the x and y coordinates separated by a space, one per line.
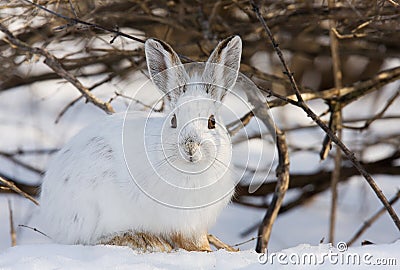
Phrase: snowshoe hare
pixel 152 181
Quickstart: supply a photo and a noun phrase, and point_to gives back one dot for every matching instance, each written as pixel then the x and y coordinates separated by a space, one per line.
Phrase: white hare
pixel 149 180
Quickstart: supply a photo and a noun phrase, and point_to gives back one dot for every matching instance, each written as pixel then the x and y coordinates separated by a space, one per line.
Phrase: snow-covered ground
pixel 27 122
pixel 322 256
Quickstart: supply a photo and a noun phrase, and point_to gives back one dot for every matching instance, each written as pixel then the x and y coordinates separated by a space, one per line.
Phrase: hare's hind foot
pixel 147 242
pixel 144 242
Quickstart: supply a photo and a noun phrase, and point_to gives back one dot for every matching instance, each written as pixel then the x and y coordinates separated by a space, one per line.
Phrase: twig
pixel 11 157
pixel 337 72
pixel 364 87
pixel 336 123
pixel 306 196
pixel 327 142
pixel 335 179
pixel 13 187
pixel 394 3
pixel 72 8
pixel 379 114
pixel 56 66
pixel 91 88
pixel 347 94
pixel 72 103
pixel 247 241
pixel 73 21
pixel 350 155
pixel 310 186
pixel 12 228
pixel 219 244
pixel 383 166
pixel 20 152
pixel 30 189
pixel 286 71
pixel 34 229
pixel 372 219
pixel 352 35
pixel 282 170
pixel 349 120
pixel 117 33
pixel 118 94
pixel 237 125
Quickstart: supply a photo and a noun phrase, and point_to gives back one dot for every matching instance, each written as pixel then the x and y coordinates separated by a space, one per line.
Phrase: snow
pixel 111 257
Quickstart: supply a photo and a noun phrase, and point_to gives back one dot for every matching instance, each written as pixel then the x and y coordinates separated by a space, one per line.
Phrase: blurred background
pixel 40 110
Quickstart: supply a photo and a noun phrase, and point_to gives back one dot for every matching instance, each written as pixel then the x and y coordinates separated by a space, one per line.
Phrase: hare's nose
pixel 192 147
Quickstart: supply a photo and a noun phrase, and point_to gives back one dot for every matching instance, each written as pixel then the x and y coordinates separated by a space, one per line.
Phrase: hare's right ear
pixel 166 70
pixel 222 68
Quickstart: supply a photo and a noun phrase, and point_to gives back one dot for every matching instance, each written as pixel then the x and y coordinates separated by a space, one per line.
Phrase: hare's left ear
pixel 166 70
pixel 222 67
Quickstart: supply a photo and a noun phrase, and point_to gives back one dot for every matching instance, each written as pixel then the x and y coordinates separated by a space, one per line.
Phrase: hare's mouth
pixel 192 156
pixel 191 162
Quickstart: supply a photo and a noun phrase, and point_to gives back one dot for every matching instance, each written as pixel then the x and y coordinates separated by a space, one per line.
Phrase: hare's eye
pixel 173 121
pixel 211 122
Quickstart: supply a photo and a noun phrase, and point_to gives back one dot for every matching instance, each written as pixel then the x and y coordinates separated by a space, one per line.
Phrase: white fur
pixel 113 176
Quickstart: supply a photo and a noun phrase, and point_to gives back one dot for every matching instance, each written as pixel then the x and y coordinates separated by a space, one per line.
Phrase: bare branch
pixel 219 244
pixel 12 186
pixel 73 21
pixel 247 241
pixel 237 125
pixel 24 165
pixel 300 103
pixel 371 220
pixel 346 94
pixel 73 8
pixel 380 114
pixel 282 170
pixel 34 229
pixel 72 103
pixel 335 123
pixel 12 228
pixel 55 65
pixel 394 3
pixel 309 185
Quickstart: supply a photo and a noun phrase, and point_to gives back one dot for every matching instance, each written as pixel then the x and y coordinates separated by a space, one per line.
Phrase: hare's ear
pixel 166 70
pixel 222 67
